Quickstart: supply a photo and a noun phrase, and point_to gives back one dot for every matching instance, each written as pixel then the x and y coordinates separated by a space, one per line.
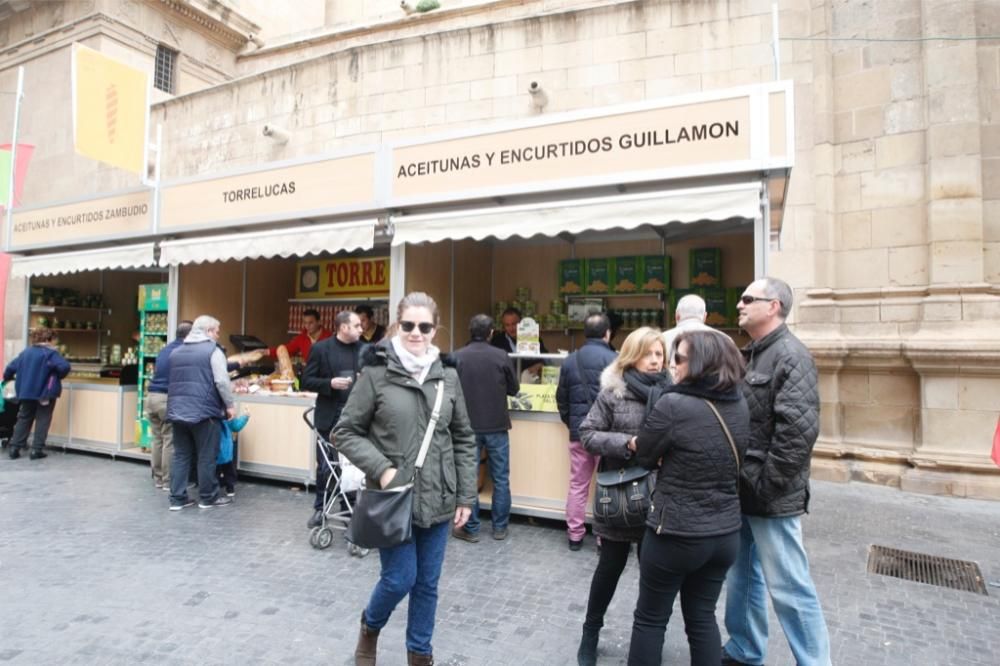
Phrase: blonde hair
pixel 635 347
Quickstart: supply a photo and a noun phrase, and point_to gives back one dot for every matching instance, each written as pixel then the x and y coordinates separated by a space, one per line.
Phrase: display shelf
pixel 77 330
pixel 48 309
pixel 659 295
pixel 342 299
pixel 152 301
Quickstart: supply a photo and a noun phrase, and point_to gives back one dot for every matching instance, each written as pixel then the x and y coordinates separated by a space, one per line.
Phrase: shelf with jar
pixel 329 308
pixel 153 326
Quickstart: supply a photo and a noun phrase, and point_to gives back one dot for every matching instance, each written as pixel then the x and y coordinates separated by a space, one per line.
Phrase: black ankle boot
pixel 587 654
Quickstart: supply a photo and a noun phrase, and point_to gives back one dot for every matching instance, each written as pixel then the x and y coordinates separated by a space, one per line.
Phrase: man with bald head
pixel 782 394
pixel 689 316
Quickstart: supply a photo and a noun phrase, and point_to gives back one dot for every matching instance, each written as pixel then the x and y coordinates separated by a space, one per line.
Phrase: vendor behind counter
pixel 301 344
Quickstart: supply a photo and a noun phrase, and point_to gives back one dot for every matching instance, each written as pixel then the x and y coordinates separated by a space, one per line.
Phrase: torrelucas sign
pixel 318 187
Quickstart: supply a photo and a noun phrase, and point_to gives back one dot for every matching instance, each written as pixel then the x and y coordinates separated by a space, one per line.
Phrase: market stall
pixel 621 211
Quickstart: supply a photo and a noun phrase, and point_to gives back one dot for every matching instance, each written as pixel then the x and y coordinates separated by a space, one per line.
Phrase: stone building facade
pixel 891 227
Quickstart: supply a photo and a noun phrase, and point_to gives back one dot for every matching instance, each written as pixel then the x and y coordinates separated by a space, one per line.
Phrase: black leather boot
pixel 587 654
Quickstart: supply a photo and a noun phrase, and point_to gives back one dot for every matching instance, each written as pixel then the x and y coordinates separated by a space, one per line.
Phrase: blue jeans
pixel 413 568
pixel 772 559
pixel 497 445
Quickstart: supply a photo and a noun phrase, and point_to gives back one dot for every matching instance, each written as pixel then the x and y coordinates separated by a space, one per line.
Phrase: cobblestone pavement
pixel 95 570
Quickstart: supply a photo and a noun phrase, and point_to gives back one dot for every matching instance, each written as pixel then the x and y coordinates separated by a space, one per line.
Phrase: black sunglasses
pixel 408 326
pixel 747 300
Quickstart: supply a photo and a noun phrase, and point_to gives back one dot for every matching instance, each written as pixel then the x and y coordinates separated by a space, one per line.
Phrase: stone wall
pixel 891 236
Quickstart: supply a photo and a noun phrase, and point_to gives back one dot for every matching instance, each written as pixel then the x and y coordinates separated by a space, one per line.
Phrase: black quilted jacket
pixel 781 391
pixel 696 486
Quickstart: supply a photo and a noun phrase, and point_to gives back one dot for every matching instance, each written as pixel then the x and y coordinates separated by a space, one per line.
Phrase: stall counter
pixel 277 443
pixel 539 467
pixel 95 415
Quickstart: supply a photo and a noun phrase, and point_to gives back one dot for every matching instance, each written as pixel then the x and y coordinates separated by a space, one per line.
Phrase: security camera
pixel 255 40
pixel 538 97
pixel 406 7
pixel 277 134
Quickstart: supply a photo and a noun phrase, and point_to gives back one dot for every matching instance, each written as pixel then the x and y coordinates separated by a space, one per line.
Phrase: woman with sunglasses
pixel 696 436
pixel 381 430
pixel 630 386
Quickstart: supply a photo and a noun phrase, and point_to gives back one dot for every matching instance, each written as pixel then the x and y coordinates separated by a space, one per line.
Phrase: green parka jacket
pixel 383 425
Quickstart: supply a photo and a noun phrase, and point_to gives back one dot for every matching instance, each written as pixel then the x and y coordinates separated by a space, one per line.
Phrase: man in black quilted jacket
pixel 781 391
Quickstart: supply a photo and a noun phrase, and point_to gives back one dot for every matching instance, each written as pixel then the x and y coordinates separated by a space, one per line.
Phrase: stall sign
pixel 363 277
pixel 713 134
pixel 534 398
pixel 315 188
pixel 118 216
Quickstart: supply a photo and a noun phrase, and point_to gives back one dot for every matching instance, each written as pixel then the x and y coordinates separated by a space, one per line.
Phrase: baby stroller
pixel 8 418
pixel 343 479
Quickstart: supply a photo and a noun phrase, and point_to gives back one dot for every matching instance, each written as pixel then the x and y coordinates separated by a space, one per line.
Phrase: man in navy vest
pixel 198 399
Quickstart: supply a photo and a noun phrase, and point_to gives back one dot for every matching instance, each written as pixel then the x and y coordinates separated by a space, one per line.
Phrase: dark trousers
pixel 614 557
pixel 198 443
pixel 30 411
pixel 694 567
pixel 227 471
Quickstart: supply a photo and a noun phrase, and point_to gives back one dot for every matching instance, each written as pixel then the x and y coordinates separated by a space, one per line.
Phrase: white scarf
pixel 418 366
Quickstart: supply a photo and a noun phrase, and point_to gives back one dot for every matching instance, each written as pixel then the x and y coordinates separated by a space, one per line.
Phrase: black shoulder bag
pixel 384 518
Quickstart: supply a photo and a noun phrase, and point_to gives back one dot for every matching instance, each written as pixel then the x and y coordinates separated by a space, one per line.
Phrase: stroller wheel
pixel 314 537
pixel 324 538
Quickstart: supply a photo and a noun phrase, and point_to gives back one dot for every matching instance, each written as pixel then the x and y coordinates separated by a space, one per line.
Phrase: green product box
pixel 732 298
pixel 675 296
pixel 550 374
pixel 571 276
pixel 654 274
pixel 717 306
pixel 600 272
pixel 627 275
pixel 153 297
pixel 705 267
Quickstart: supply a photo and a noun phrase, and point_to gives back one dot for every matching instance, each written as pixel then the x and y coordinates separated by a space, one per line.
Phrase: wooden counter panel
pixel 276 435
pixel 130 403
pixel 60 416
pixel 95 415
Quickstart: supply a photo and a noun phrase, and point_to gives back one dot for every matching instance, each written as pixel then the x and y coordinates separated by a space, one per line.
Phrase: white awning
pixel 290 242
pixel 123 256
pixel 599 214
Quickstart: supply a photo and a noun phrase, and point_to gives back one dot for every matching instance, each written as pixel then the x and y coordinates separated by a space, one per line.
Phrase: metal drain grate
pixel 929 569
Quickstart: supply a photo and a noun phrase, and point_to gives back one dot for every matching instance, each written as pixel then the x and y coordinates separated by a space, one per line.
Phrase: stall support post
pixel 397 276
pixel 173 285
pixel 18 96
pixel 762 235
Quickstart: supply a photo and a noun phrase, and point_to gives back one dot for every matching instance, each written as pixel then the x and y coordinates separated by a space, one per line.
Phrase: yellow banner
pixel 535 398
pixel 364 277
pixel 109 110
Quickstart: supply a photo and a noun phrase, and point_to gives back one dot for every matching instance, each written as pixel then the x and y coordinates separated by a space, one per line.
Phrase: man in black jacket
pixel 579 384
pixel 487 377
pixel 330 372
pixel 782 394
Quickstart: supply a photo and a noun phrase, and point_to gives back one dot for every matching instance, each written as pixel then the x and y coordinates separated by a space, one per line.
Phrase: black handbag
pixel 623 496
pixel 384 518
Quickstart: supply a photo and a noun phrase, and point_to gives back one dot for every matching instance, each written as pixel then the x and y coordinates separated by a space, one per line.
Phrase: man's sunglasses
pixel 747 300
pixel 408 326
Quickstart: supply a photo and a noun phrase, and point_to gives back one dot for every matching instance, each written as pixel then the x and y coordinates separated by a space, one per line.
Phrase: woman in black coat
pixel 692 532
pixel 630 386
